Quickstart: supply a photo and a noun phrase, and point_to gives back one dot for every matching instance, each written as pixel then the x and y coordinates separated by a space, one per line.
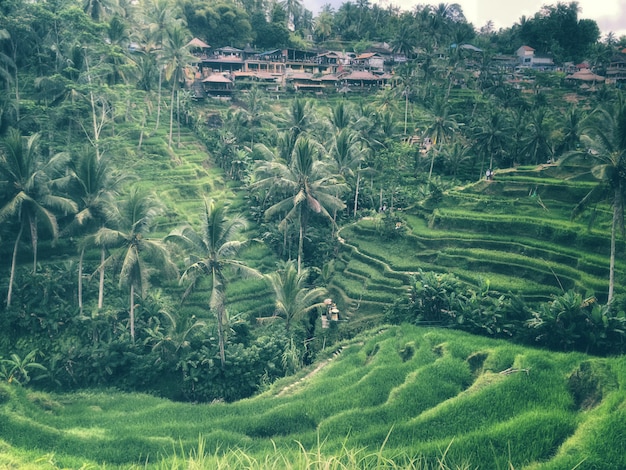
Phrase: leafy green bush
pixel 570 322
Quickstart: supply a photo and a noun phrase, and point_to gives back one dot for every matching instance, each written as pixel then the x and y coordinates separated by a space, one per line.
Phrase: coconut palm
pixel 308 184
pixel 492 134
pixel 94 185
pixel 29 197
pixel 133 252
pixel 604 143
pixel 538 145
pixel 175 57
pixel 348 153
pixel 441 128
pixel 293 298
pixel 212 252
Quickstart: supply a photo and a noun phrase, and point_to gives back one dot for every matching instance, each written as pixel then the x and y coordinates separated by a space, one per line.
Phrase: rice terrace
pixel 247 235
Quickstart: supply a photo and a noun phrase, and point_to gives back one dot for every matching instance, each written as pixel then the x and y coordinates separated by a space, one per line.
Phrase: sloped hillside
pixel 399 392
pixel 515 231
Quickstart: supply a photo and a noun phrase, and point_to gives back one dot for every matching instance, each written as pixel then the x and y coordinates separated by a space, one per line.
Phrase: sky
pixel 610 15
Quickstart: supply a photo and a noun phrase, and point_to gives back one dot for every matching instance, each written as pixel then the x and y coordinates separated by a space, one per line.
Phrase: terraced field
pixel 410 395
pixel 515 231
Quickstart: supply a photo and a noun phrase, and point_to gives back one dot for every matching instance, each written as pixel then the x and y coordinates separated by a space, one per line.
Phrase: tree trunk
pixel 32 220
pixel 616 209
pixel 178 117
pixel 220 335
pixel 356 191
pixel 13 263
pixel 406 109
pixel 169 142
pixel 132 312
pixel 300 243
pixel 101 284
pixel 80 280
pixel 158 118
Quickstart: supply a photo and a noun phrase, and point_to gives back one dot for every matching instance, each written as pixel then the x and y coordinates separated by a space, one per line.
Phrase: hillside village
pixel 222 71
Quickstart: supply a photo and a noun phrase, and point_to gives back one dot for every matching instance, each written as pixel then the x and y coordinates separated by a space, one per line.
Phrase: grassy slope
pixel 420 390
pixel 515 231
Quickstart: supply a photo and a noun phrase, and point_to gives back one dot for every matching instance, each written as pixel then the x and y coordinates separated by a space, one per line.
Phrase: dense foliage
pixel 106 160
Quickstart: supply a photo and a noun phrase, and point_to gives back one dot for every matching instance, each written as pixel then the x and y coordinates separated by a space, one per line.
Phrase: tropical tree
pixel 538 145
pixel 604 143
pixel 308 185
pixel 293 298
pixel 175 57
pixel 93 185
pixel 28 193
pixel 212 251
pixel 134 254
pixel 492 134
pixel 571 127
pixel 405 40
pixel 323 25
pixel 406 88
pixel 98 10
pixel 441 128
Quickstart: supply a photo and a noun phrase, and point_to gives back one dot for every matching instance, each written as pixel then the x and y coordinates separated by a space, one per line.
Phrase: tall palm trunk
pixel 101 283
pixel 13 264
pixel 300 242
pixel 356 191
pixel 32 220
pixel 616 214
pixel 169 143
pixel 158 116
pixel 132 312
pixel 80 280
pixel 220 335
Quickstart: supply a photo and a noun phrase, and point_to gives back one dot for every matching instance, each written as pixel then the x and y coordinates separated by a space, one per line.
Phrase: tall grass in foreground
pixel 302 459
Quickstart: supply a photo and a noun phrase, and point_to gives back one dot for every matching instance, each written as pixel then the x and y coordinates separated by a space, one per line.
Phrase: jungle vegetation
pixel 153 243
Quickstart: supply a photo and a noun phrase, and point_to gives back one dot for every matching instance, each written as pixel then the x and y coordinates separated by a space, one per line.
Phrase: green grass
pixel 400 394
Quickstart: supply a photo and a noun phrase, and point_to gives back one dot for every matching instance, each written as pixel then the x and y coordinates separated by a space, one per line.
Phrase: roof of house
pixel 526 48
pixel 585 75
pixel 470 47
pixel 229 49
pixel 195 42
pixel 368 55
pixel 362 75
pixel 217 78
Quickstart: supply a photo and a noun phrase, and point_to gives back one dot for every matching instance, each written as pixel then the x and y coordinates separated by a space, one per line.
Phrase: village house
pixel 527 58
pixel 616 71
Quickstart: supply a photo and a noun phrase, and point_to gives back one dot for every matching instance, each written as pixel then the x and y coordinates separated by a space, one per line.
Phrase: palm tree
pixel 98 10
pixel 605 143
pixel 405 41
pixel 309 185
pixel 406 87
pixel 175 57
pixel 348 152
pixel 341 116
pixel 29 199
pixel 293 298
pixel 538 146
pixel 492 134
pixel 94 186
pixel 455 155
pixel 212 251
pixel 293 8
pixel 441 128
pixel 134 252
pixel 323 25
pixel 299 118
pixel 572 127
